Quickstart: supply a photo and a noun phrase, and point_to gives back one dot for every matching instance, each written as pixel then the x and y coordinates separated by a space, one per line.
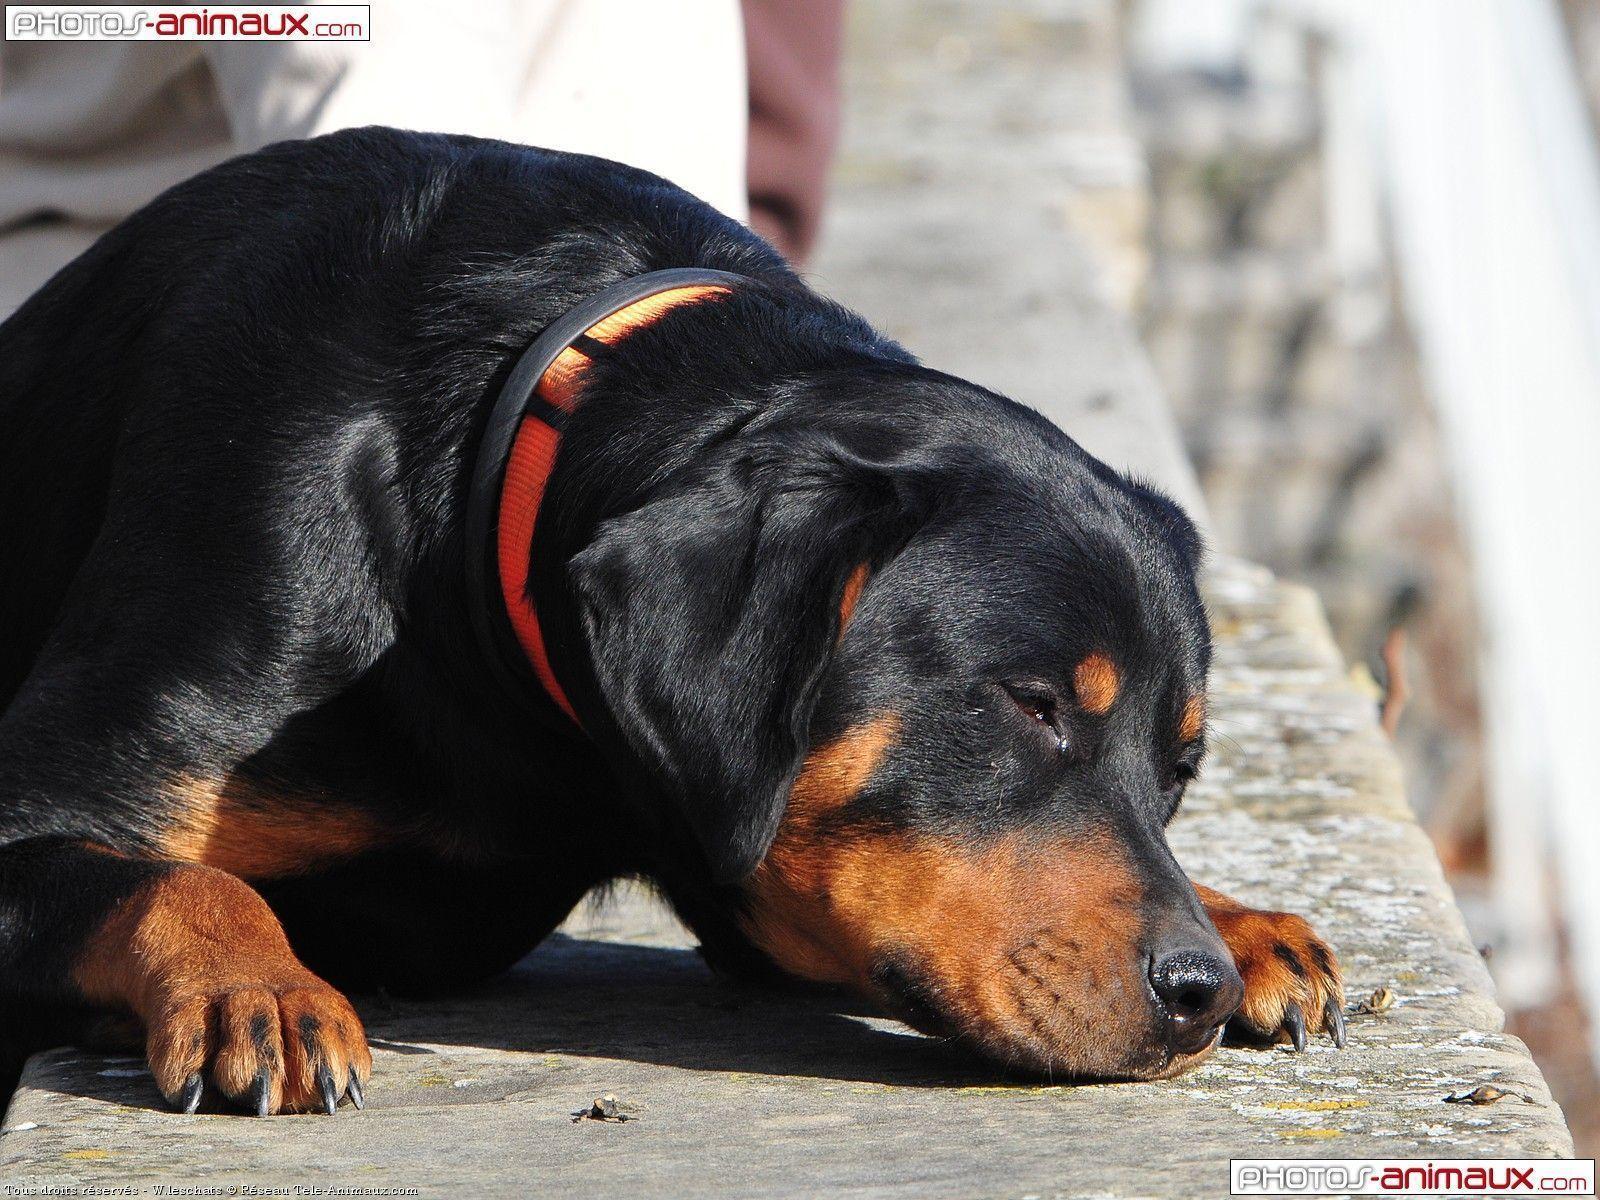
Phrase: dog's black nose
pixel 1199 992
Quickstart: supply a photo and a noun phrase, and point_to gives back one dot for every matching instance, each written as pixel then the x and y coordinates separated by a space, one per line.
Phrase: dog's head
pixel 925 681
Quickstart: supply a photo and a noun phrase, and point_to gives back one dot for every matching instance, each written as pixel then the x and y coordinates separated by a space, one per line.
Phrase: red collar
pixel 519 448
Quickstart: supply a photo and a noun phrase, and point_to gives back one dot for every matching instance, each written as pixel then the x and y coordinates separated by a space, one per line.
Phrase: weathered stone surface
pixel 745 1093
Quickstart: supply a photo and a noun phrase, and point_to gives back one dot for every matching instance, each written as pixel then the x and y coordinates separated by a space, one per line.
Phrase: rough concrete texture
pixel 741 1093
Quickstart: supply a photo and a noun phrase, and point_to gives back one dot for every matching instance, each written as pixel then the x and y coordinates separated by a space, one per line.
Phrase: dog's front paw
pixel 1292 985
pixel 285 1044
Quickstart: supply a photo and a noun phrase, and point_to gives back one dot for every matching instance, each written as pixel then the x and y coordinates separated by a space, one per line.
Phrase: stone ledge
pixel 751 1094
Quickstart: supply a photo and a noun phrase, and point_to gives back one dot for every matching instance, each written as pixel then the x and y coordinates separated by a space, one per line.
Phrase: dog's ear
pixel 711 613
pixel 1171 522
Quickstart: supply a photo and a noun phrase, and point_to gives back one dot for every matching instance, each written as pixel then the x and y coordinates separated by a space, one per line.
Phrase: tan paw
pixel 1292 985
pixel 286 1045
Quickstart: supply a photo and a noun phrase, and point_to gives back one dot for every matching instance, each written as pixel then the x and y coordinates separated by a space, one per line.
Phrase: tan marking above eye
pixel 1193 720
pixel 1096 681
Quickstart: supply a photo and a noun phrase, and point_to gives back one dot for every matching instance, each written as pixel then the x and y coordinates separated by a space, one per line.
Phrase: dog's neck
pixel 649 406
pixel 518 455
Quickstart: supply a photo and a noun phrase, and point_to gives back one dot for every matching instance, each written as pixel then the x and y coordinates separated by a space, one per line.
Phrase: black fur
pixel 235 438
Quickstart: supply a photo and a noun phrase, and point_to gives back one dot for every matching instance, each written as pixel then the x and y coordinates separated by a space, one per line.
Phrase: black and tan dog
pixel 340 632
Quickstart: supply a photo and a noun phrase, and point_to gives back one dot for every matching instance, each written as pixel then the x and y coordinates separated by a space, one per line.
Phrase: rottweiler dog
pixel 405 534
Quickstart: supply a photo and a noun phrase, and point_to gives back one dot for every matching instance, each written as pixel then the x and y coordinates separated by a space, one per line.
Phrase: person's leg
pixel 792 48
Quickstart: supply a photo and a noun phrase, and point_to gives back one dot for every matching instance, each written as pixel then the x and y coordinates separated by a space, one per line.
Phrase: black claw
pixel 189 1098
pixel 330 1098
pixel 261 1093
pixel 1333 1017
pixel 356 1096
pixel 1295 1022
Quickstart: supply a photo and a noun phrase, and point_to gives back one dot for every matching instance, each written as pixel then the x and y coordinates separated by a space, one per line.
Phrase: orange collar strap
pixel 518 454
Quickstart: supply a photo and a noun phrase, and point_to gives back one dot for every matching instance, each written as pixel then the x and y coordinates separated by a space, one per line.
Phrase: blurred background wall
pixel 1369 228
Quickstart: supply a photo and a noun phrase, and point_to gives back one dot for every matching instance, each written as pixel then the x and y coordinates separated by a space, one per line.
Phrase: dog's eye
pixel 1035 701
pixel 1040 704
pixel 1183 774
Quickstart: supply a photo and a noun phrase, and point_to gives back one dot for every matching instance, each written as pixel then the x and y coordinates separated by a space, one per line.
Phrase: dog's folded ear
pixel 712 610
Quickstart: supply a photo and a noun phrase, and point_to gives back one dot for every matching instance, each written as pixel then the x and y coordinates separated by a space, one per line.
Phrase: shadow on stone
pixel 615 1003
pixel 663 1006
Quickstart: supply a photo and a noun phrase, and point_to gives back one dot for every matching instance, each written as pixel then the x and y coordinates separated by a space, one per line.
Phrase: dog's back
pixel 349 219
pixel 57 437
pixel 65 359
